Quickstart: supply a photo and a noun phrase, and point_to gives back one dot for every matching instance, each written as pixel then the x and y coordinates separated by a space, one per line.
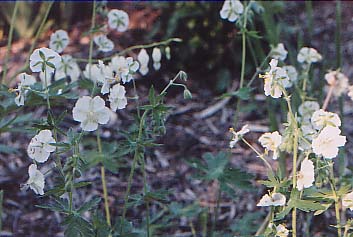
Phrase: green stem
pixel 143 169
pixel 216 212
pixel 141 46
pixel 103 179
pixel 132 170
pixel 9 41
pixel 258 154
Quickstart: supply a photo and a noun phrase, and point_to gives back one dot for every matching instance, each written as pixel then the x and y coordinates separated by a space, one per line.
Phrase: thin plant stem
pixel 36 37
pixel 103 179
pixel 258 154
pixel 141 46
pixel 216 212
pixel 136 99
pixel 9 41
pixel 143 169
pixel 243 62
pixel 93 23
pixel 133 167
pixel 328 97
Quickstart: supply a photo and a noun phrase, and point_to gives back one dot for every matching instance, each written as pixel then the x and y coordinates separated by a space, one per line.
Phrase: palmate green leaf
pixel 5 149
pixel 89 205
pixel 100 225
pixel 58 204
pixel 236 178
pixel 76 226
pixel 307 205
pixel 215 164
pixel 243 93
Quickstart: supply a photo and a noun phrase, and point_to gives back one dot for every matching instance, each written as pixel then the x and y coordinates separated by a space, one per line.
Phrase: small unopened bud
pixel 187 94
pixel 167 52
pixel 183 76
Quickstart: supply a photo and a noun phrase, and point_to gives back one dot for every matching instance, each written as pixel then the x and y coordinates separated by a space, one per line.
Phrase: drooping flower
pixel 39 148
pixel 156 56
pixel 307 108
pixel 350 92
pixel 117 97
pixel 124 68
pixel 100 73
pixel 231 10
pixel 90 112
pixel 271 142
pixel 281 231
pixel 279 52
pixel 238 135
pixel 306 175
pixel 292 74
pixel 276 199
pixel 339 81
pixel 67 68
pixel 118 19
pixel 36 180
pixel 44 59
pixel 143 58
pixel 347 201
pixel 328 141
pixel 308 55
pixel 167 53
pixel 275 80
pixel 22 88
pixel 59 40
pixel 321 119
pixel 104 44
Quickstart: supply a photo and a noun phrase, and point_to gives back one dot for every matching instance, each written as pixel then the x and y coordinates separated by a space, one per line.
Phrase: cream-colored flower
pixel 307 108
pixel 279 52
pixel 321 119
pixel 276 199
pixel 347 201
pixel 100 73
pixel 271 142
pixel 104 44
pixel 118 19
pixel 231 10
pixel 90 112
pixel 275 80
pixel 156 57
pixel 143 58
pixel 281 231
pixel 59 40
pixel 328 141
pixel 339 81
pixel 44 59
pixel 67 68
pixel 292 74
pixel 36 180
pixel 238 135
pixel 117 97
pixel 350 92
pixel 308 55
pixel 124 68
pixel 39 148
pixel 22 89
pixel 306 175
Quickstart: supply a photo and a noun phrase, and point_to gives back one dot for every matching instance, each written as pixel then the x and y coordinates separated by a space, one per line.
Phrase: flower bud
pixel 183 76
pixel 187 94
pixel 167 53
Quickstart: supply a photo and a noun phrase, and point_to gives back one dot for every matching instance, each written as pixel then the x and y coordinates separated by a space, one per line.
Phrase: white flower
pixel 347 201
pixel 59 40
pixel 156 56
pixel 321 119
pixel 100 73
pixel 90 112
pixel 279 52
pixel 104 44
pixel 271 142
pixel 308 55
pixel 238 135
pixel 39 148
pixel 44 59
pixel 339 81
pixel 67 68
pixel 306 175
pixel 143 58
pixel 328 141
pixel 350 92
pixel 275 80
pixel 36 180
pixel 307 108
pixel 167 53
pixel 276 199
pixel 117 97
pixel 22 88
pixel 281 231
pixel 231 10
pixel 292 74
pixel 118 19
pixel 124 68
